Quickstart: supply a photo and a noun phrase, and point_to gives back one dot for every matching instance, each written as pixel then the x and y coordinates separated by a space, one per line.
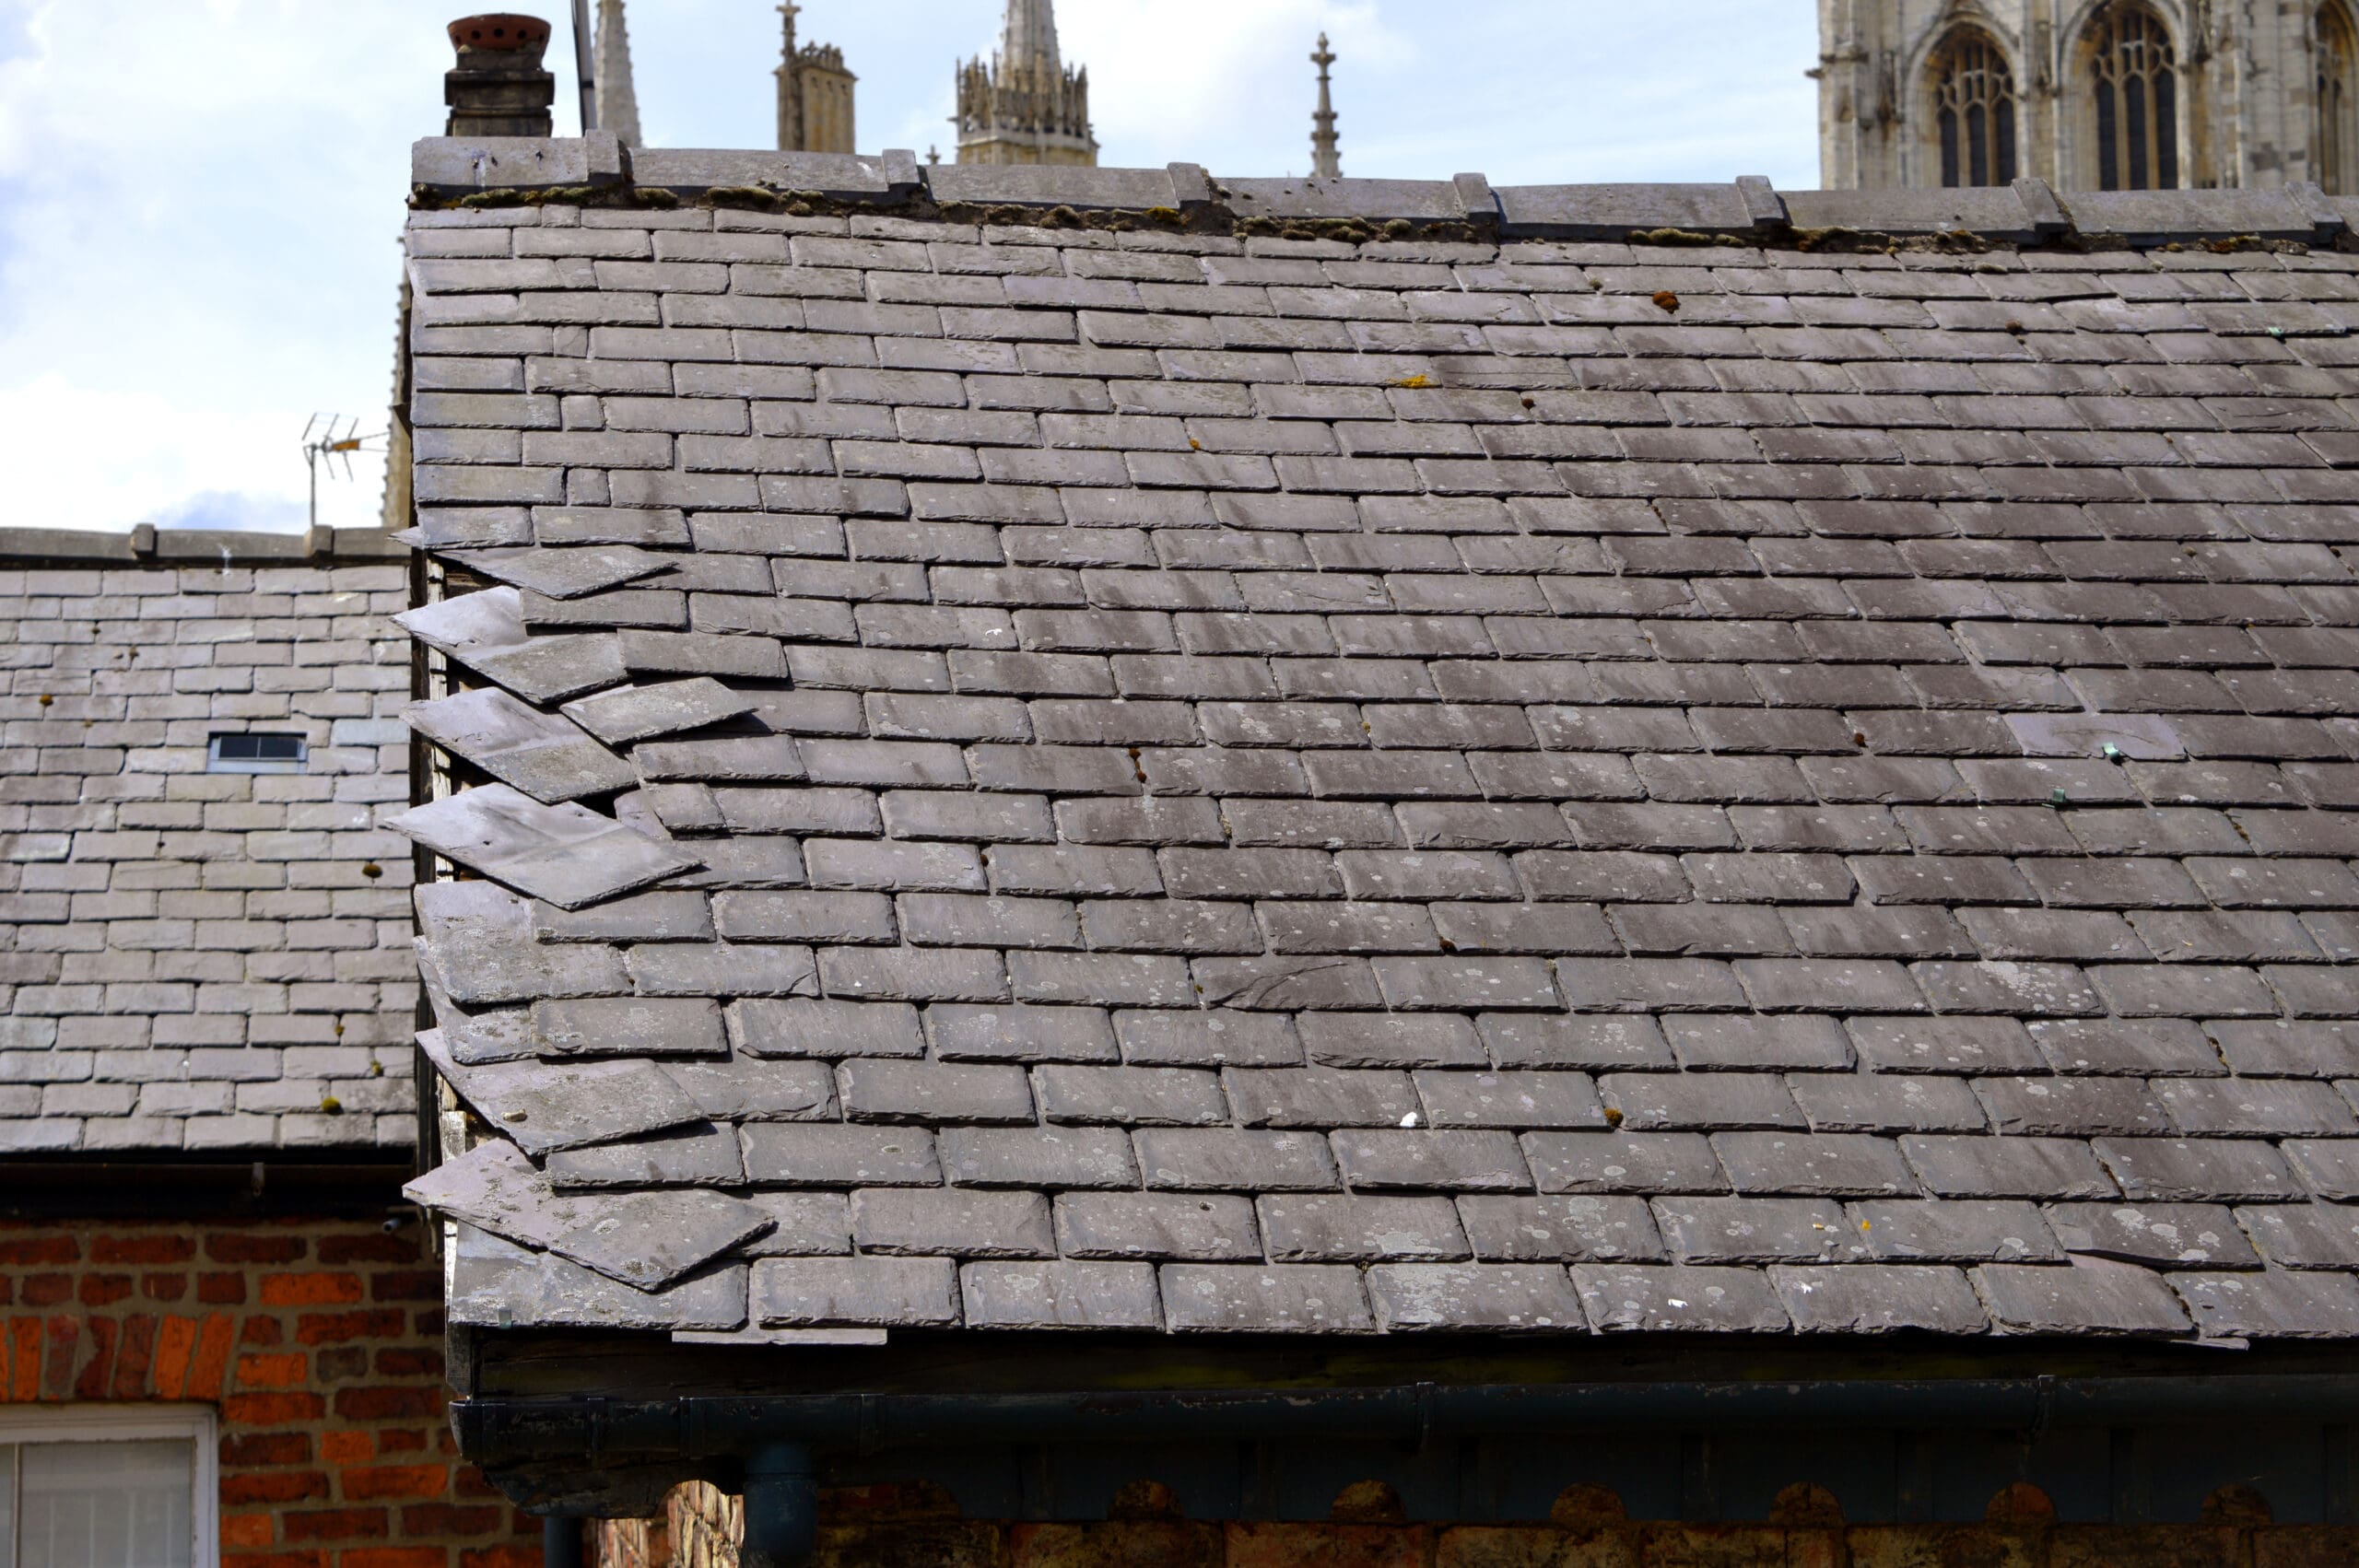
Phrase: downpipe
pixel 781 1507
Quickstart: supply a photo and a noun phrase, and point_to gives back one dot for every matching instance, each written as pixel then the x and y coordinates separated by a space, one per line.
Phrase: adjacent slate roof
pixel 192 960
pixel 1195 780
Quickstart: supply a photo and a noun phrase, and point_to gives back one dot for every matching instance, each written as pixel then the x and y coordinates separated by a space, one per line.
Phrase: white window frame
pixel 194 1425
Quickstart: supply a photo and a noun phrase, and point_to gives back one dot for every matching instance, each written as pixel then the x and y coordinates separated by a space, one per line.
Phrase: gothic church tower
pixel 1024 105
pixel 2088 93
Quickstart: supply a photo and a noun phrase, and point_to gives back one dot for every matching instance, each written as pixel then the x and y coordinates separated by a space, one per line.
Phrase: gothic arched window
pixel 1974 110
pixel 2334 158
pixel 2134 72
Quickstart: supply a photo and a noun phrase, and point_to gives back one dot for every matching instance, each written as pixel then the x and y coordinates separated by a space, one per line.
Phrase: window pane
pixel 108 1504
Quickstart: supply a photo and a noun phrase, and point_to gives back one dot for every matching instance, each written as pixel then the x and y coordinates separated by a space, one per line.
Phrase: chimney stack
pixel 498 88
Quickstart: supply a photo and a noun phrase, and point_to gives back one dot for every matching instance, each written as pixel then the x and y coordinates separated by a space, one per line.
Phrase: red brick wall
pixel 320 1344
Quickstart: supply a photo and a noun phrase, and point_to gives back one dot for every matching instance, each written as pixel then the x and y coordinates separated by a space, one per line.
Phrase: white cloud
pixel 199 199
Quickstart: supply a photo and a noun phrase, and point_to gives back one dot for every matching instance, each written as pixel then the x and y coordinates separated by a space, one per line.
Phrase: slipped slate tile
pixel 563 573
pixel 543 755
pixel 547 1109
pixel 475 1036
pixel 496 1284
pixel 2157 1236
pixel 480 936
pixel 648 1240
pixel 569 856
pixel 2276 1304
pixel 2087 1296
pixel 485 632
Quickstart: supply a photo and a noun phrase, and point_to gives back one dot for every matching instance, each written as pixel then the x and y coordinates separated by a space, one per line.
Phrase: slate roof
pixel 192 960
pixel 1129 771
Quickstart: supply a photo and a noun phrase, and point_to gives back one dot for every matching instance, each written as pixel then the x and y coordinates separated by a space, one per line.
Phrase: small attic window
pixel 256 753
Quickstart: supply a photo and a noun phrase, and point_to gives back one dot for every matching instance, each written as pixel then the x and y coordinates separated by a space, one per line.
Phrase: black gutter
pixel 496 1433
pixel 320 1183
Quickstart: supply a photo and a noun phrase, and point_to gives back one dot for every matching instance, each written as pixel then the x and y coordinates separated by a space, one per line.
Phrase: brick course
pixel 320 1344
pixel 888 1527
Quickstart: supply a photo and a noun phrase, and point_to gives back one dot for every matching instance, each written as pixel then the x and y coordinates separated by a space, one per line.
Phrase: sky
pixel 201 200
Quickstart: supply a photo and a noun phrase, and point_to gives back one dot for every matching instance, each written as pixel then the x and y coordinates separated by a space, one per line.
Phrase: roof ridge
pixel 596 170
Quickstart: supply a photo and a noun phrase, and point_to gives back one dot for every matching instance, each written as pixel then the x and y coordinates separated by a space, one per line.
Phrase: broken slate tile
pixel 569 856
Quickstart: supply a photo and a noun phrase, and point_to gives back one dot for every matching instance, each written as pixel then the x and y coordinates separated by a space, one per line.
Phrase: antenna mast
pixel 583 67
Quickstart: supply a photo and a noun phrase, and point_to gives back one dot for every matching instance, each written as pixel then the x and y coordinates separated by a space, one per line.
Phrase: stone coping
pixel 149 546
pixel 447 171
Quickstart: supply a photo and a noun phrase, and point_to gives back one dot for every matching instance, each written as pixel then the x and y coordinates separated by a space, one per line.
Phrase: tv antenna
pixel 328 440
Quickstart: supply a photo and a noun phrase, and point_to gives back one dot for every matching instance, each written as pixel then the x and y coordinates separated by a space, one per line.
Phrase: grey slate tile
pixel 1502 1296
pixel 1757 1230
pixel 1639 1298
pixel 866 1292
pixel 1960 1231
pixel 1180 1226
pixel 1879 1300
pixel 1325 1228
pixel 1062 1295
pixel 1572 1229
pixel 1234 1298
pixel 954 1222
pixel 1826 975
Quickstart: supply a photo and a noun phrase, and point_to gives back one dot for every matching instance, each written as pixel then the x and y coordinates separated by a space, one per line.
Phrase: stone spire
pixel 617 97
pixel 1030 35
pixel 1024 105
pixel 1326 160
